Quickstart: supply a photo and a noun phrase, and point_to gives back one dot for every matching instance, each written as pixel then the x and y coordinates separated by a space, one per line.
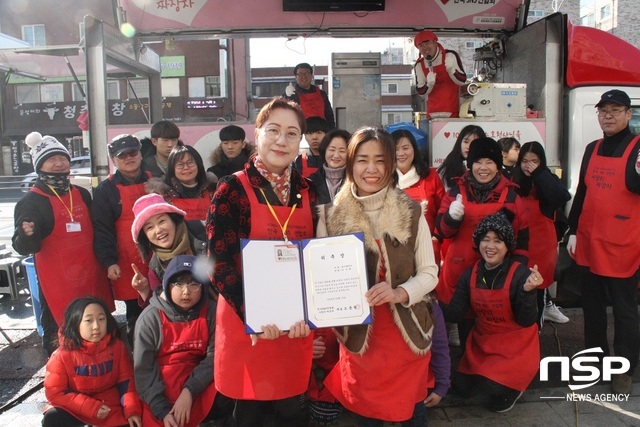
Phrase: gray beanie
pixel 43 147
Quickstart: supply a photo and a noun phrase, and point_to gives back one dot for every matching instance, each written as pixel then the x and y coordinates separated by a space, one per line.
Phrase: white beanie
pixel 43 147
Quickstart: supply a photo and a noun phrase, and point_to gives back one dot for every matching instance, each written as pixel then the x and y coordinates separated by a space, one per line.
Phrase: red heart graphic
pixel 444 1
pixel 447 134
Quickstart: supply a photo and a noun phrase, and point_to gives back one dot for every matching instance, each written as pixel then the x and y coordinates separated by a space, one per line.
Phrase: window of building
pixel 34 35
pixel 473 44
pixel 588 20
pixel 52 92
pixel 170 87
pixel 393 118
pixel 389 88
pixel 140 86
pixel 196 87
pixel 536 13
pixel 113 90
pixel 27 93
pixel 605 12
pixel 212 86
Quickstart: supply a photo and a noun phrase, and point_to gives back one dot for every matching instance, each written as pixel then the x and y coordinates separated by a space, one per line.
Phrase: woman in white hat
pixel 53 222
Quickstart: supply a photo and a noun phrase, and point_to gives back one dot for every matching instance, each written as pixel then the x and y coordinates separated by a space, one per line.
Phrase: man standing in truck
pixel 604 234
pixel 313 100
pixel 439 73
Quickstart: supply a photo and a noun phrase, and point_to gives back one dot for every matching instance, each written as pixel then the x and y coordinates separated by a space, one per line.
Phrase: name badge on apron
pixel 73 227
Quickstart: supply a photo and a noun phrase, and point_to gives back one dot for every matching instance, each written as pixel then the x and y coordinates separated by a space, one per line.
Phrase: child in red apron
pixel 173 351
pixel 502 352
pixel 89 378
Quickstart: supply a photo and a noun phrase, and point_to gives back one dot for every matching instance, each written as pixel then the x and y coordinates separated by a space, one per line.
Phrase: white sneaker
pixel 553 314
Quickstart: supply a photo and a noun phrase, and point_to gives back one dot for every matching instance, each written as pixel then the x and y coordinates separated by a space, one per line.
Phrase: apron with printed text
pixel 498 348
pixel 461 253
pixel 184 345
pixel 609 225
pixel 272 369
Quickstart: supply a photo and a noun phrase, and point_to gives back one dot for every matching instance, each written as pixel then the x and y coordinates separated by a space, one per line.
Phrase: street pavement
pixel 544 404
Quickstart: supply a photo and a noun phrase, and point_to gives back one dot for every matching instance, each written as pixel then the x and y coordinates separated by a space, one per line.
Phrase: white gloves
pixel 456 208
pixel 571 245
pixel 638 163
pixel 431 80
pixel 290 90
pixel 418 71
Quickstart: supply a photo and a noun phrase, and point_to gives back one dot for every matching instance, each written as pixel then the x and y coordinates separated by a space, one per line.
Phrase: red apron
pixel 388 380
pixel 66 263
pixel 445 95
pixel 307 170
pixel 323 365
pixel 498 348
pixel 609 227
pixel 272 369
pixel 127 250
pixel 184 345
pixel 461 254
pixel 197 209
pixel 543 243
pixel 312 104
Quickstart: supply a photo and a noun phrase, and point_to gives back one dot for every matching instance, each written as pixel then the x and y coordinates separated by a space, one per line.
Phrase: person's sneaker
pixel 553 314
pixel 621 383
pixel 454 336
pixel 505 403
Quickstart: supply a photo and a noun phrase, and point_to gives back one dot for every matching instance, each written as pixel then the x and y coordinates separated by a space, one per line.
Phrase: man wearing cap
pixel 604 234
pixel 53 222
pixel 313 100
pixel 112 215
pixel 438 73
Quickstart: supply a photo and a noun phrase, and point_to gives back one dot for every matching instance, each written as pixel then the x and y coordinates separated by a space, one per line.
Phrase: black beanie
pixel 500 224
pixel 484 148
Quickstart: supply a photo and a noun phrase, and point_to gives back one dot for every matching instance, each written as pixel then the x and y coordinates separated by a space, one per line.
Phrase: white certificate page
pixel 336 281
pixel 272 280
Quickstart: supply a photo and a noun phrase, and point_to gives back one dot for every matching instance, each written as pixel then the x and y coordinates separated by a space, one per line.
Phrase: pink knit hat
pixel 146 207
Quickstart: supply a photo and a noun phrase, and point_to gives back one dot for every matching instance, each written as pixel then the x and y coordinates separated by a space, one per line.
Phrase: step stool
pixel 10 274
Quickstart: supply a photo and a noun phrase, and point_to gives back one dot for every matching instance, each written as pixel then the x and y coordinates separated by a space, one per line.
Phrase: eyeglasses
pixel 184 165
pixel 192 286
pixel 291 136
pixel 614 112
pixel 127 154
pixel 303 73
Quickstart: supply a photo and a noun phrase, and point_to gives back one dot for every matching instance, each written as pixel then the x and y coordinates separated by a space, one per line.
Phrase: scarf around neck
pixel 181 246
pixel 408 179
pixel 281 184
pixel 58 181
pixel 334 178
pixel 482 191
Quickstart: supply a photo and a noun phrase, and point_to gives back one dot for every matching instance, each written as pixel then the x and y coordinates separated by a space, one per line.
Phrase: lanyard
pixel 70 199
pixel 273 213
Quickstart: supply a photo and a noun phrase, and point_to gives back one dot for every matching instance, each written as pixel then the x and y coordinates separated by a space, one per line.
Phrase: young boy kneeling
pixel 173 351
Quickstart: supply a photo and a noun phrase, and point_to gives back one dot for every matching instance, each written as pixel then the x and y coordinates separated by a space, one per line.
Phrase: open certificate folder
pixel 322 281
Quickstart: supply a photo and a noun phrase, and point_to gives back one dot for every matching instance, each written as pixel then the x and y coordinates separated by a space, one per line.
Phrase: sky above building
pixel 281 52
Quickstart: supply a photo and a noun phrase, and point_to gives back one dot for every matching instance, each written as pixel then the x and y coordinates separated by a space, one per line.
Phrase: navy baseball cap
pixel 616 96
pixel 122 143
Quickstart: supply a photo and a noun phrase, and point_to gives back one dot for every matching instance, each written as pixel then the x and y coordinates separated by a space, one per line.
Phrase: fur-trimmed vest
pixel 399 221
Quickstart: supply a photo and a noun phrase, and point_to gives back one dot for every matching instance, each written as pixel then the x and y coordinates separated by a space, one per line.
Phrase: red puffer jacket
pixel 81 381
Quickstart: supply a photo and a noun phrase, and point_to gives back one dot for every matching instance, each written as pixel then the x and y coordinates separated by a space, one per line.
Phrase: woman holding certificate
pixel 268 200
pixel 382 374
